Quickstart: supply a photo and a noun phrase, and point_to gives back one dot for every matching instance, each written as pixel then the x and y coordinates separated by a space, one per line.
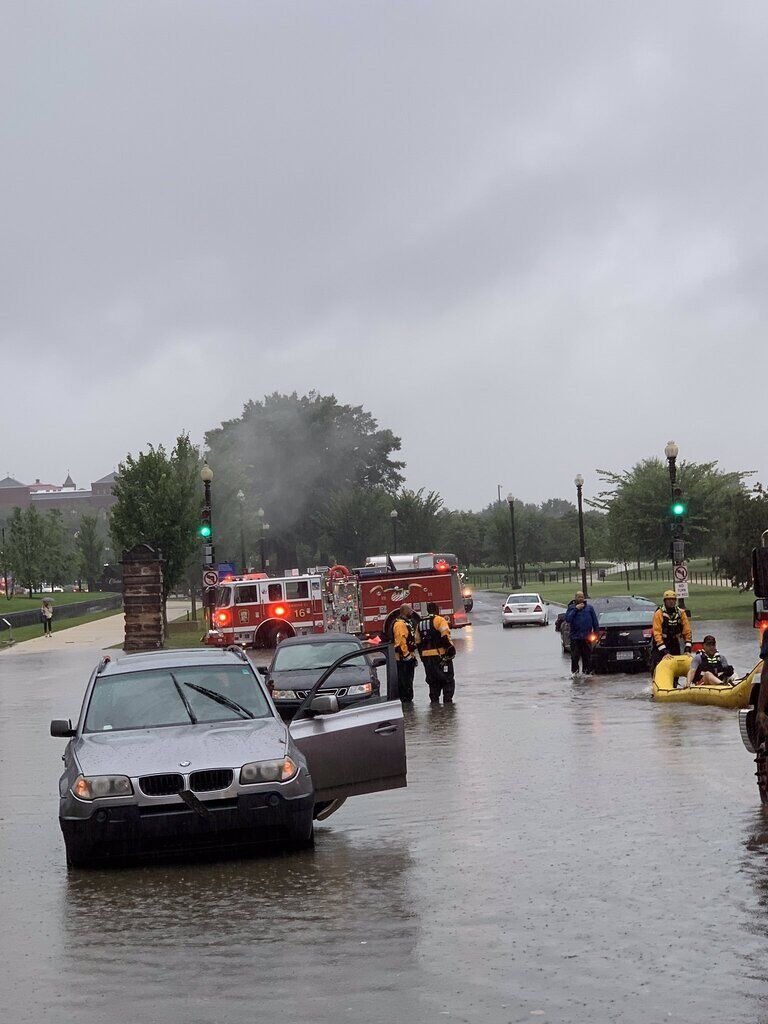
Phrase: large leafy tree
pixel 637 506
pixel 418 522
pixel 742 527
pixel 26 546
pixel 90 550
pixel 354 523
pixel 157 503
pixel 291 456
pixel 57 562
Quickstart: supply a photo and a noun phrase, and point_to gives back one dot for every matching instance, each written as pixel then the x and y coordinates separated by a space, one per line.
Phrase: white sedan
pixel 521 609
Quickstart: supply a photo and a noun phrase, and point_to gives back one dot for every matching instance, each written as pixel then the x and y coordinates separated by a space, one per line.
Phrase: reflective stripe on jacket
pixel 666 626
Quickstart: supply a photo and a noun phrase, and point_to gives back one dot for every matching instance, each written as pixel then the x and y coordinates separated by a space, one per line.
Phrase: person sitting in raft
pixel 709 667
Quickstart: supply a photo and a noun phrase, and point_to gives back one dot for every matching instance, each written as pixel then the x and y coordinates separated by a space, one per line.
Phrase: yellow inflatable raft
pixel 725 696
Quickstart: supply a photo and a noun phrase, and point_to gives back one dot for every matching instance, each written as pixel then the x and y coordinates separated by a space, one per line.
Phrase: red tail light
pixel 647 632
pixel 223 617
pixel 592 638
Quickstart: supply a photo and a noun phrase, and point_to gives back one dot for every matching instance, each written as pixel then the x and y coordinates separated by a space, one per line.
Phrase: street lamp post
pixel 393 517
pixel 263 539
pixel 677 552
pixel 206 475
pixel 511 503
pixel 241 502
pixel 579 481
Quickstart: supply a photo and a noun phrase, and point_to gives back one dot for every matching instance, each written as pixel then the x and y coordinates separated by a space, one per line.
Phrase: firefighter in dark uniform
pixel 406 639
pixel 671 629
pixel 437 654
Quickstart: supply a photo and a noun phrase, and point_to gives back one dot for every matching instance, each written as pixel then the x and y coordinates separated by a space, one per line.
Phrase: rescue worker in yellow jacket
pixel 671 629
pixel 437 654
pixel 406 640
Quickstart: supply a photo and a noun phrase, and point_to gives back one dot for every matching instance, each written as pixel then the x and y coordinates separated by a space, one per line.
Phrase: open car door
pixel 358 750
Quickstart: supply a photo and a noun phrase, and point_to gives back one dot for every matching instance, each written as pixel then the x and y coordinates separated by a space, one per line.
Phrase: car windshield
pixel 144 700
pixel 634 616
pixel 523 599
pixel 300 657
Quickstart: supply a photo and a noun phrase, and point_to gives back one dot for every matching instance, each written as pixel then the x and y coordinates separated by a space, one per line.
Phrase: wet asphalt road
pixel 564 852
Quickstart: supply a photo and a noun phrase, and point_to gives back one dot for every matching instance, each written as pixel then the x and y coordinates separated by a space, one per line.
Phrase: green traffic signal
pixel 204 531
pixel 678 509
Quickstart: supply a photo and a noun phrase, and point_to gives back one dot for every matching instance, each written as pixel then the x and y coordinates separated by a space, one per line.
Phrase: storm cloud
pixel 529 237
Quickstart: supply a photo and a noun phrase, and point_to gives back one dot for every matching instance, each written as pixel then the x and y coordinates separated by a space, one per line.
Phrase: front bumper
pixel 289 707
pixel 129 831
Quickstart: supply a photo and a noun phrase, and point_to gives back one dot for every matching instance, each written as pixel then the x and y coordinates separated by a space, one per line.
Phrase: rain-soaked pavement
pixel 564 852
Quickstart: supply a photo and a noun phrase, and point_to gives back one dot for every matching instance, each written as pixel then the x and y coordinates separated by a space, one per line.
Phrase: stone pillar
pixel 143 598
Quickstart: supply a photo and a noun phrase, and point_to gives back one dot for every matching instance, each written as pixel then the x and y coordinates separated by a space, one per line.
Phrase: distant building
pixel 66 497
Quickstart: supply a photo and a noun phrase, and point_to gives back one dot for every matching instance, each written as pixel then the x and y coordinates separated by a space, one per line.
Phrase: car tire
pixel 305 842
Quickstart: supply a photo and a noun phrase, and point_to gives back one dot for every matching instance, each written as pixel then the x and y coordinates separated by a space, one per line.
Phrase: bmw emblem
pixel 184 764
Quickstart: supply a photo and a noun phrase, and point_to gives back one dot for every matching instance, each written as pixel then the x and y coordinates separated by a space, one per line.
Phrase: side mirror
pixel 325 704
pixel 62 727
pixel 379 660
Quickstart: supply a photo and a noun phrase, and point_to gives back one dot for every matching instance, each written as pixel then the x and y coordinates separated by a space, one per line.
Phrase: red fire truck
pixel 256 611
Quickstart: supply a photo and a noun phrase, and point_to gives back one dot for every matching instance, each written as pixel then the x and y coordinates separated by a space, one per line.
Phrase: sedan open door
pixel 355 751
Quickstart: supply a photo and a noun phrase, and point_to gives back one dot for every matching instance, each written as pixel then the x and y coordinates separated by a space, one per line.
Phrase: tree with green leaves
pixel 353 523
pixel 418 522
pixel 26 546
pixel 158 500
pixel 291 456
pixel 57 562
pixel 743 524
pixel 637 505
pixel 90 550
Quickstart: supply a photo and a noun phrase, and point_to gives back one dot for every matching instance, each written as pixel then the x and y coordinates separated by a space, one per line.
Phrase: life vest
pixel 671 624
pixel 714 665
pixel 431 637
pixel 410 640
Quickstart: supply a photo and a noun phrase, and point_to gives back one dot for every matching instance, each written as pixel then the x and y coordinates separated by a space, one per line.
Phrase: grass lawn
pixel 705 602
pixel 30 632
pixel 23 604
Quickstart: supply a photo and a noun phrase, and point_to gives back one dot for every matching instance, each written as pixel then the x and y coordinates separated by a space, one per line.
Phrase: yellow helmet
pixel 670 594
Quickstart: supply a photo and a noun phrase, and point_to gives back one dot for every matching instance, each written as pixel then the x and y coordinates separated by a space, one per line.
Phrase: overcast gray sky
pixel 530 237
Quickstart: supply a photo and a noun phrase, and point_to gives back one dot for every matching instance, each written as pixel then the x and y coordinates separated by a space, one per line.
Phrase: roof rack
pixel 234 649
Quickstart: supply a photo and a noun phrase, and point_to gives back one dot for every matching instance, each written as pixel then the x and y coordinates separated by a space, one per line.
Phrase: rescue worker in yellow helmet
pixel 671 629
pixel 406 640
pixel 437 654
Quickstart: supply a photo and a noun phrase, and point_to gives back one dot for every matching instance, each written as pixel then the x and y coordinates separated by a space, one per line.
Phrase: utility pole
pixel 511 503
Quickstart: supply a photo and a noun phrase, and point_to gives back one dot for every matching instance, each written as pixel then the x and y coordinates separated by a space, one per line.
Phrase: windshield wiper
pixel 184 700
pixel 221 699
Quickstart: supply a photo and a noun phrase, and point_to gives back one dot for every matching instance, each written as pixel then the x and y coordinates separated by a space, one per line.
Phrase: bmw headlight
pixel 268 771
pixel 283 695
pixel 97 787
pixel 361 690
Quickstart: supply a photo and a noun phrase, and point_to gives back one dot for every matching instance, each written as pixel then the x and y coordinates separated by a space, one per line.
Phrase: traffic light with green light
pixel 204 529
pixel 678 503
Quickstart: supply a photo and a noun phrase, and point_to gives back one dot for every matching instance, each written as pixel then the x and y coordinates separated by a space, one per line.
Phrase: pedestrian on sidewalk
pixel 46 614
pixel 582 618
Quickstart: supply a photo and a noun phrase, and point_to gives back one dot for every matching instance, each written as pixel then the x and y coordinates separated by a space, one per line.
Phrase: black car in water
pixel 624 637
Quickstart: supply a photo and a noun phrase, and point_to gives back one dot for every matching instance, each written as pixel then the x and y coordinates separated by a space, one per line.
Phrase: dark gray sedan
pixel 184 750
pixel 299 660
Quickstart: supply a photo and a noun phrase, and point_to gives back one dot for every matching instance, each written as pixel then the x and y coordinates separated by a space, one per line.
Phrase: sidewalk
pixel 96 635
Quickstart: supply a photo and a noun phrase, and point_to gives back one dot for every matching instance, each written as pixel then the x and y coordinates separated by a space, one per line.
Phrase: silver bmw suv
pixel 184 750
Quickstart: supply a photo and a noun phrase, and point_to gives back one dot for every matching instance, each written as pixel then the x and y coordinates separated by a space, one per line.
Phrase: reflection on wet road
pixel 564 852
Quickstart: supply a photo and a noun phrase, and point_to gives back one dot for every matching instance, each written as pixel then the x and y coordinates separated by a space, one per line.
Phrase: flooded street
pixel 563 852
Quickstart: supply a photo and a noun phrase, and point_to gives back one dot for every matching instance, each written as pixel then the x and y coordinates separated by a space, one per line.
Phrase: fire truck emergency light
pixel 279 610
